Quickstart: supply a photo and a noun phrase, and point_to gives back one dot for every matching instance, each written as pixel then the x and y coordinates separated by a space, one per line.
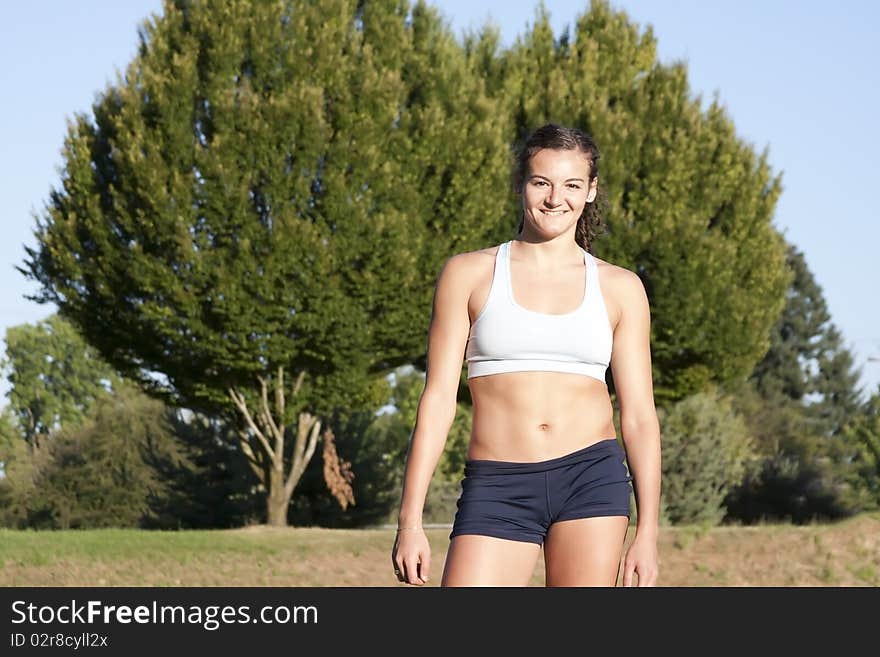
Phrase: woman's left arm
pixel 633 384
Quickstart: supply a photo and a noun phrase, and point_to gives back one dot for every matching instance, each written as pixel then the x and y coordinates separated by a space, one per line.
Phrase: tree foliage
pixel 864 433
pixel 377 445
pixel 54 376
pixel 690 203
pixel 373 445
pixel 132 462
pixel 270 190
pixel 706 452
pixel 208 485
pixel 807 361
pixel 802 404
pixel 98 474
pixel 251 220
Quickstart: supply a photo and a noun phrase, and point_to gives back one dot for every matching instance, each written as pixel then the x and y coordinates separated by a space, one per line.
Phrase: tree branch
pixel 279 394
pixel 240 403
pixel 298 384
pixel 277 433
pixel 303 448
pixel 252 460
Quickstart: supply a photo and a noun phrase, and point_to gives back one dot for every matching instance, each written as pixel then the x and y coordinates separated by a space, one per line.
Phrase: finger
pixel 395 562
pixel 647 578
pixel 398 570
pixel 425 567
pixel 412 571
pixel 628 569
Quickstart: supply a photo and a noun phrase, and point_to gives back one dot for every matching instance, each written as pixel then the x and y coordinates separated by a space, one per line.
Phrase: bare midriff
pixel 535 416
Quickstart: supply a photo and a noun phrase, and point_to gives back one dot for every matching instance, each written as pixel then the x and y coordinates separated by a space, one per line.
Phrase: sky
pixel 796 78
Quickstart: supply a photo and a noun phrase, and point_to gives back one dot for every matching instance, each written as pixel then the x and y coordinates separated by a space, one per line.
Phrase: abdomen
pixel 535 416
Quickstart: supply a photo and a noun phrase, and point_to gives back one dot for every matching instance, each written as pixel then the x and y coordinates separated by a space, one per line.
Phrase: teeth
pixel 553 211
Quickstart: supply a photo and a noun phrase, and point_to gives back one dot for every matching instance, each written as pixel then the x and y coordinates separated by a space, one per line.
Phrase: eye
pixel 574 186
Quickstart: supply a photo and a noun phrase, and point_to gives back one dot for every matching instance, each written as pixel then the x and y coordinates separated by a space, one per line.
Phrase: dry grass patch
pixel 840 554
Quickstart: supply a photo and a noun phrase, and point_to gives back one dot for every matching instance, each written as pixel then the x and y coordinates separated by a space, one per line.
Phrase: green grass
pixel 35 547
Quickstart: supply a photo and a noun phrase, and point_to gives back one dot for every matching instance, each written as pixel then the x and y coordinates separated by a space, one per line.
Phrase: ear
pixel 594 189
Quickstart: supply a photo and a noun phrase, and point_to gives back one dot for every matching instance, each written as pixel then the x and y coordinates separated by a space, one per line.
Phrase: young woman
pixel 539 319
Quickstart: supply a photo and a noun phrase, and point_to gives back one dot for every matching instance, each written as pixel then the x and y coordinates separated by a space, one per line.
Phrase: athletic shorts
pixel 520 501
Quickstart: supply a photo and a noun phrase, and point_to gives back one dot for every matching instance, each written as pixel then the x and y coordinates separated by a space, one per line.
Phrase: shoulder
pixel 617 275
pixel 622 285
pixel 460 275
pixel 469 265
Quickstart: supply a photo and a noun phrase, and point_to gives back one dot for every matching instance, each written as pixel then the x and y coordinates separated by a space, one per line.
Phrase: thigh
pixel 585 551
pixel 475 560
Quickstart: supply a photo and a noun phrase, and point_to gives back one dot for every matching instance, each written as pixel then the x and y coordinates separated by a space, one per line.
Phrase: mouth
pixel 554 213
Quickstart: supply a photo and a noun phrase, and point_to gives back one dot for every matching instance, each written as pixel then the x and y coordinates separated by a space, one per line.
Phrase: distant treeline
pixel 248 230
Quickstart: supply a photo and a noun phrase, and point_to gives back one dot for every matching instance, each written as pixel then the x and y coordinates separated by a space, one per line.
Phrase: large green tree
pixel 55 379
pixel 104 473
pixel 54 376
pixel 72 425
pixel 802 404
pixel 689 203
pixel 250 222
pixel 807 361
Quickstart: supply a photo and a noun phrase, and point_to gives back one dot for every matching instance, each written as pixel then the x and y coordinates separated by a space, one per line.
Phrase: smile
pixel 553 212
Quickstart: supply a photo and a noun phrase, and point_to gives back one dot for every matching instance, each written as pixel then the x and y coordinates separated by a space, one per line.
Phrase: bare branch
pixel 313 441
pixel 279 394
pixel 252 459
pixel 303 448
pixel 240 403
pixel 298 384
pixel 277 433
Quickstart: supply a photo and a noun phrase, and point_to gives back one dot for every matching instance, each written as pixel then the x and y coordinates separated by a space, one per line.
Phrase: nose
pixel 555 196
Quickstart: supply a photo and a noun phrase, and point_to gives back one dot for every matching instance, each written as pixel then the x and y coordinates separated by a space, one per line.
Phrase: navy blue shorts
pixel 520 501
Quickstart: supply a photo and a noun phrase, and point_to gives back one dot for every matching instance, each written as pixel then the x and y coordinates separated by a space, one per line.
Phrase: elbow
pixel 437 409
pixel 640 423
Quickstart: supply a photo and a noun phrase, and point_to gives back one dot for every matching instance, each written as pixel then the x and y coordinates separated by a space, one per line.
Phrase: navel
pixel 543 427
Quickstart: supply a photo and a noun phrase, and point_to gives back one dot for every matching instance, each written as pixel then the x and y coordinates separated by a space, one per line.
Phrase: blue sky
pixel 796 77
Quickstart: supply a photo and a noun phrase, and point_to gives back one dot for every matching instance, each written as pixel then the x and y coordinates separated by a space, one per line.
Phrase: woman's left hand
pixel 641 559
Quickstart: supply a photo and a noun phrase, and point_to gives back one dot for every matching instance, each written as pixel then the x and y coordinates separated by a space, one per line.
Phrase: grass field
pixel 839 554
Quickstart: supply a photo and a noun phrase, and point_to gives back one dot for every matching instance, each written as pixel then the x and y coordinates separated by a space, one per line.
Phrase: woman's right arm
pixel 447 339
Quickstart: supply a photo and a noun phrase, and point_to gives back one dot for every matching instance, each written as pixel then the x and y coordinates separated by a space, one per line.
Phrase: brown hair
pixel 561 138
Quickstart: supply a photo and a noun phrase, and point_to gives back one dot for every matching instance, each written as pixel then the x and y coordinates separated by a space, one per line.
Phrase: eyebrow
pixel 538 175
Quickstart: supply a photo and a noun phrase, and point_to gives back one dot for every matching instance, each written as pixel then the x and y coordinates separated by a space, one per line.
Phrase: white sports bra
pixel 505 337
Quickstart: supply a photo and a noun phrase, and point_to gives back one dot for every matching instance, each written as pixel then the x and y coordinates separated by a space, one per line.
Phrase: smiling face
pixel 555 190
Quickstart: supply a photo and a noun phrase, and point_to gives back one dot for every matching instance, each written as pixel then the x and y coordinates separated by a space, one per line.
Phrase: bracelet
pixel 403 528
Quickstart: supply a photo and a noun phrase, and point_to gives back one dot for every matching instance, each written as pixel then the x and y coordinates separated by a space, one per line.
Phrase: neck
pixel 548 254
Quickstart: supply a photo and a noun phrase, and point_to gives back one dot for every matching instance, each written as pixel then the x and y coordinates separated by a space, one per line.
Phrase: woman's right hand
pixel 411 556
